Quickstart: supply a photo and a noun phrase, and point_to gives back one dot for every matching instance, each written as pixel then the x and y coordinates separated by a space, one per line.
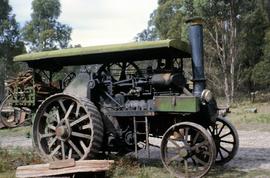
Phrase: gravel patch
pixel 253 153
pixel 15 142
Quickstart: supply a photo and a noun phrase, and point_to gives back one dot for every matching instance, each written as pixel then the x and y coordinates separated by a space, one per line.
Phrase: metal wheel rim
pixel 226 140
pixel 10 120
pixel 191 163
pixel 59 139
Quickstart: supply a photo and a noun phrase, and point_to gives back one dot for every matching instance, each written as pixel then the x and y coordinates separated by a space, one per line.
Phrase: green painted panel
pixel 117 49
pixel 176 104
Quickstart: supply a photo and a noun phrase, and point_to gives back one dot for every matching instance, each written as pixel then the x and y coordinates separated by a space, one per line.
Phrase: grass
pixel 11 159
pixel 132 168
pixel 245 120
pixel 18 131
pixel 128 167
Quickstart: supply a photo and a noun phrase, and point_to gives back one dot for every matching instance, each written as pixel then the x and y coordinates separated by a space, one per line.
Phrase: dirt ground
pixel 253 153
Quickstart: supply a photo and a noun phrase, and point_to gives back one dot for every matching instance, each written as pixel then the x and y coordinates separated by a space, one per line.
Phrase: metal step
pixel 146 133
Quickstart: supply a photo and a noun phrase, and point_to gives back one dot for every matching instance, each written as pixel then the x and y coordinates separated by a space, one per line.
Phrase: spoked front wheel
pixel 67 127
pixel 226 140
pixel 187 150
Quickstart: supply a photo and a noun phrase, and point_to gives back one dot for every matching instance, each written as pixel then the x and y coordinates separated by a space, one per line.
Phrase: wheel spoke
pixel 197 145
pixel 69 153
pixel 75 148
pixel 196 137
pixel 221 129
pixel 62 106
pixel 174 158
pixel 225 141
pixel 52 142
pixel 186 134
pixel 51 127
pixel 186 167
pixel 68 112
pixel 220 153
pixel 55 150
pixel 63 150
pixel 46 114
pixel 81 135
pixel 224 149
pixel 203 163
pixel 46 135
pixel 174 142
pixel 225 135
pixel 83 146
pixel 77 110
pixel 58 117
pixel 87 126
pixel 79 120
pixel 195 163
pixel 207 153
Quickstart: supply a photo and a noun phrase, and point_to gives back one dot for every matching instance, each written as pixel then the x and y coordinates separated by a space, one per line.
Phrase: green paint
pixel 176 104
pixel 28 98
pixel 94 50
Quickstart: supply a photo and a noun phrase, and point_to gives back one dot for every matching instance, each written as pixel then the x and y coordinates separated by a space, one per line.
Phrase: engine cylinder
pixel 168 80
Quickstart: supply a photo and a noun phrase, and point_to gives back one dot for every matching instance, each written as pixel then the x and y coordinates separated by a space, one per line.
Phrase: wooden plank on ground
pixel 40 170
pixel 62 164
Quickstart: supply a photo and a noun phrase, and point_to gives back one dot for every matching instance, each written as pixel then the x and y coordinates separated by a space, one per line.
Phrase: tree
pixel 221 36
pixel 254 25
pixel 44 32
pixel 150 33
pixel 10 42
pixel 166 22
pixel 169 19
pixel 234 38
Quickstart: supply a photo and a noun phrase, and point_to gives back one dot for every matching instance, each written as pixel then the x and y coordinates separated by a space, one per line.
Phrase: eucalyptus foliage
pixel 43 32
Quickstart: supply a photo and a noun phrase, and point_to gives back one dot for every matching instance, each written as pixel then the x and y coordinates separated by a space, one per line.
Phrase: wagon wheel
pixel 119 70
pixel 66 127
pixel 11 116
pixel 187 150
pixel 226 140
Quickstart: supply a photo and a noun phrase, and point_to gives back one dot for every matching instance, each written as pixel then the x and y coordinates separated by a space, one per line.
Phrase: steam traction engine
pixel 135 90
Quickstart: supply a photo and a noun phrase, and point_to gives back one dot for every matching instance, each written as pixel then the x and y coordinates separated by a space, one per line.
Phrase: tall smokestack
pixel 196 42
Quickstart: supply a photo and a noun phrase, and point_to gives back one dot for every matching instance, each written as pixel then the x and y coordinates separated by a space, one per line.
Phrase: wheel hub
pixel 216 139
pixel 183 153
pixel 62 132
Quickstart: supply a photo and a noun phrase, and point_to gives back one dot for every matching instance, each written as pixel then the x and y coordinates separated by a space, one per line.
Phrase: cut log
pixel 25 80
pixel 251 110
pixel 41 170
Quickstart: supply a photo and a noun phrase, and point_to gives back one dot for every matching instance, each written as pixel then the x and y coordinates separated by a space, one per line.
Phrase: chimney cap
pixel 195 21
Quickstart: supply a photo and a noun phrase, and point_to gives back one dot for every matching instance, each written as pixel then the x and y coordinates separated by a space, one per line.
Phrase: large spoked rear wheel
pixel 67 127
pixel 187 150
pixel 226 140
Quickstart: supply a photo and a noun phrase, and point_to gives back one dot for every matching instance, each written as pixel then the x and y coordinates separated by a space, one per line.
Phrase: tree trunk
pixel 226 89
pixel 233 50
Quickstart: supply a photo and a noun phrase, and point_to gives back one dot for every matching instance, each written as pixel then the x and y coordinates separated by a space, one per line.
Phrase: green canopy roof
pixel 107 53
